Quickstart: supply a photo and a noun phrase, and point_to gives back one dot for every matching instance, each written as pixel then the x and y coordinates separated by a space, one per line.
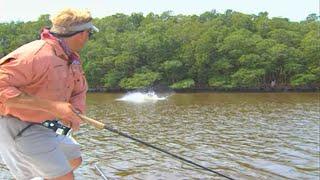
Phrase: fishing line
pixel 100 125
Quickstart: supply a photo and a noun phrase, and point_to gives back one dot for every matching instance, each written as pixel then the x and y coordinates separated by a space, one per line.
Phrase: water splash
pixel 139 97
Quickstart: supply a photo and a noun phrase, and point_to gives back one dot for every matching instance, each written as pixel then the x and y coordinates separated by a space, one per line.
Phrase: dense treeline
pixel 212 50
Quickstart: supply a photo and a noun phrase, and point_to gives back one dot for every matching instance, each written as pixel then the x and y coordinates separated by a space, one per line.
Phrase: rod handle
pixel 91 121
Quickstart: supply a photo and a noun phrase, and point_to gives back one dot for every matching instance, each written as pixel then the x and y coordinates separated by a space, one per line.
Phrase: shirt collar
pixel 57 48
pixel 61 48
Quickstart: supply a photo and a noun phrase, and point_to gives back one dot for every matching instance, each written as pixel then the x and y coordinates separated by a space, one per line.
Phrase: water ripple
pixel 245 136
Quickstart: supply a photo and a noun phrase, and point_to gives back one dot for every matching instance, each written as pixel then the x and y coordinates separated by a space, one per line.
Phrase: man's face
pixel 81 39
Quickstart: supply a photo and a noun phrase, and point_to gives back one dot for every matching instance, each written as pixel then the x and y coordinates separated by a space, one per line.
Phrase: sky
pixel 30 10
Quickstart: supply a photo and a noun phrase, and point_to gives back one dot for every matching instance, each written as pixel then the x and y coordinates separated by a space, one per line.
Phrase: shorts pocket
pixel 36 140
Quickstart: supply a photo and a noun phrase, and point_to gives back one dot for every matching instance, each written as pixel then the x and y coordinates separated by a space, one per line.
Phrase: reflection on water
pixel 242 135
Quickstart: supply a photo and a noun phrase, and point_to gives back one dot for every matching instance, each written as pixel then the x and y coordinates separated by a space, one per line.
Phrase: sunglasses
pixel 90 34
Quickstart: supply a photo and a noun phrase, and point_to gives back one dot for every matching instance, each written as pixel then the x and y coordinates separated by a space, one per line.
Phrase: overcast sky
pixel 30 10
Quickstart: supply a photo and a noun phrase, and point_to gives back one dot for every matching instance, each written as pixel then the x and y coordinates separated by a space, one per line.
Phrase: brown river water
pixel 241 135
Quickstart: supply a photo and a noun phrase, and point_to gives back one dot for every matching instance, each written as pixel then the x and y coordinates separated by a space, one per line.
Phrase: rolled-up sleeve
pixel 14 73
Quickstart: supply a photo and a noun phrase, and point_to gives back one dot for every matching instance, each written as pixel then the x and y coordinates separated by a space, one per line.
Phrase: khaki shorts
pixel 38 152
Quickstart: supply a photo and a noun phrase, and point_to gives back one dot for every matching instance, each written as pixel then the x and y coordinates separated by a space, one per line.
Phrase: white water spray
pixel 139 97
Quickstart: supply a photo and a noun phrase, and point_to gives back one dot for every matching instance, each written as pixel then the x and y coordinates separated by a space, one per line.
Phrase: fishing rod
pixel 101 125
pixel 100 171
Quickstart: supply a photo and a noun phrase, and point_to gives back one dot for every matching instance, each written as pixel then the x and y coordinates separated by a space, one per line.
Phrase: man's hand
pixel 67 114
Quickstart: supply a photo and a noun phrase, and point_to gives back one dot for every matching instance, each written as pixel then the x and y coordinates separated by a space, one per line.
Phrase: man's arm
pixel 62 110
pixel 16 73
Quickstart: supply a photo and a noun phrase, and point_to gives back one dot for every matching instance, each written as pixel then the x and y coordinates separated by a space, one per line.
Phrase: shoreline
pixel 201 90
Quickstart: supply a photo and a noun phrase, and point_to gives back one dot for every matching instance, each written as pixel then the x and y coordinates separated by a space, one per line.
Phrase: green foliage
pixel 111 79
pixel 289 38
pixel 250 60
pixel 140 80
pixel 247 78
pixel 310 46
pixel 303 79
pixel 222 66
pixel 227 50
pixel 184 84
pixel 173 65
pixel 219 81
pixel 172 70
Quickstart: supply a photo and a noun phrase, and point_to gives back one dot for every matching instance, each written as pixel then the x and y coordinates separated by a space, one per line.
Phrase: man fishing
pixel 42 88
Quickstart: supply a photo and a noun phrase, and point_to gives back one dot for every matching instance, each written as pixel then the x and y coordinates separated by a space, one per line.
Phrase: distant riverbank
pixel 211 89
